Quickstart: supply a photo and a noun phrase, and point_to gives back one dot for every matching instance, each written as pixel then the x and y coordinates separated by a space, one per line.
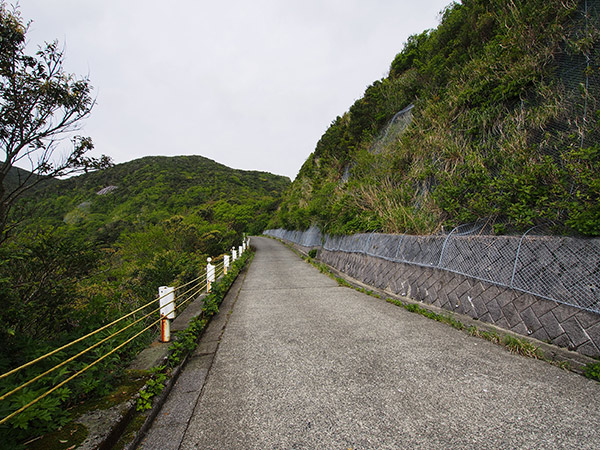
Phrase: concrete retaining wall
pixel 365 258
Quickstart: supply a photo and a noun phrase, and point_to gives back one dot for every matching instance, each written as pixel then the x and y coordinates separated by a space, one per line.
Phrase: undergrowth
pixel 498 130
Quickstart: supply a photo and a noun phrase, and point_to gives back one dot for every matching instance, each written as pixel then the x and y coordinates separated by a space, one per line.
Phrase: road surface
pixel 303 363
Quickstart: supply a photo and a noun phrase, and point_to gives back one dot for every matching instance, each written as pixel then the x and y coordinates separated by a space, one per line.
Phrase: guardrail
pixel 169 300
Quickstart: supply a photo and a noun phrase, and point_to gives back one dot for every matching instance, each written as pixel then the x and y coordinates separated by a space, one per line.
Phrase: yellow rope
pixel 20 410
pixel 33 380
pixel 192 296
pixel 4 375
pixel 190 282
pixel 190 290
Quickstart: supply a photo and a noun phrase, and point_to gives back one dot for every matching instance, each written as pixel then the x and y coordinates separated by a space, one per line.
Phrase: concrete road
pixel 306 364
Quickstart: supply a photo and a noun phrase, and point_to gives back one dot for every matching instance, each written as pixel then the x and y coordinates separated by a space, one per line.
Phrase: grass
pixel 131 430
pixel 522 347
pixel 592 371
pixel 448 319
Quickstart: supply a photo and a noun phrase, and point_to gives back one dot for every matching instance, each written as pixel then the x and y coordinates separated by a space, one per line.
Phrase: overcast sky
pixel 250 84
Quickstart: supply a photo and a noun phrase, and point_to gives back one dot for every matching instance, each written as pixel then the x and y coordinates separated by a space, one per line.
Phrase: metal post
pixel 167 311
pixel 233 254
pixel 444 247
pixel 165 329
pixel 512 278
pixel 240 251
pixel 210 274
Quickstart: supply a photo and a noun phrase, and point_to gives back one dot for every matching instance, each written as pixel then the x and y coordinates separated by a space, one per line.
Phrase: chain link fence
pixel 563 269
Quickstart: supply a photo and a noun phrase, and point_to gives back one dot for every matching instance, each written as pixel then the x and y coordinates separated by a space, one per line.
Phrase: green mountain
pixel 493 115
pixel 149 190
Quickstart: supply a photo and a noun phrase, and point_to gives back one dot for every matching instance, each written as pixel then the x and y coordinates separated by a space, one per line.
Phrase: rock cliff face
pixel 498 108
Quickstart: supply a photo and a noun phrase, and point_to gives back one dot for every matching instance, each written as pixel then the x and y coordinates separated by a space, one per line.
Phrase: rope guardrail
pixel 193 296
pixel 190 282
pixel 198 285
pixel 76 341
pixel 62 383
pixel 195 287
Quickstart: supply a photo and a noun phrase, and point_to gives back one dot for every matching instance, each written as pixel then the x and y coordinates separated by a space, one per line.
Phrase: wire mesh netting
pixel 309 238
pixel 563 269
pixel 394 128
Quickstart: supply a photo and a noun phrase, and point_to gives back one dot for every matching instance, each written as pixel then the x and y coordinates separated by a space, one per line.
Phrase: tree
pixel 40 105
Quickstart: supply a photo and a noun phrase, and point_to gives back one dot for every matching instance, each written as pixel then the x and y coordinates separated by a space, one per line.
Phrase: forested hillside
pixel 90 248
pixel 499 123
pixel 152 189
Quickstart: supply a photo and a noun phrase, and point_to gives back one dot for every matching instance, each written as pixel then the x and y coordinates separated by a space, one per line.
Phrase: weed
pixel 154 386
pixel 455 323
pixel 394 302
pixel 564 365
pixel 342 282
pixel 592 371
pixel 312 253
pixel 522 347
pixel 415 308
pixel 472 330
pixel 491 336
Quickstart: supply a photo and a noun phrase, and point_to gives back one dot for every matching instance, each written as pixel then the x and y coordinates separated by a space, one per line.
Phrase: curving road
pixel 305 364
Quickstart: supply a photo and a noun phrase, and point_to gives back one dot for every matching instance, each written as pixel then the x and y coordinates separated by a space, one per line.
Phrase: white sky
pixel 250 84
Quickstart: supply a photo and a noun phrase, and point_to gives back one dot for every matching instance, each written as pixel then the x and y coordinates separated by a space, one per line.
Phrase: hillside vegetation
pixel 88 249
pixel 145 192
pixel 504 129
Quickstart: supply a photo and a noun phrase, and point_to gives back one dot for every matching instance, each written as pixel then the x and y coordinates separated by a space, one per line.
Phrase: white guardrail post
pixel 225 264
pixel 233 254
pixel 167 311
pixel 210 274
